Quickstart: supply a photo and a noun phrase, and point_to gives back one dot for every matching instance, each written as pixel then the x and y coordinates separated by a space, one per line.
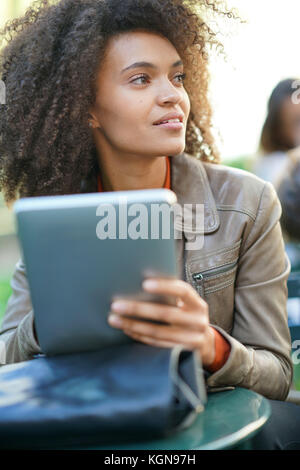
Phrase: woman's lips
pixel 170 125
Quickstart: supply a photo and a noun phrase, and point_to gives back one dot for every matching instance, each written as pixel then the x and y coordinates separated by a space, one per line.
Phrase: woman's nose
pixel 169 94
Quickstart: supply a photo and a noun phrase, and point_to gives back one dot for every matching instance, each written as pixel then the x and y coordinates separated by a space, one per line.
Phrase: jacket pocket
pixel 211 280
pixel 216 287
pixel 213 276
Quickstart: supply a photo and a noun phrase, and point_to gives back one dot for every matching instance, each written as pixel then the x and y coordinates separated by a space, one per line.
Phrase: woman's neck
pixel 121 172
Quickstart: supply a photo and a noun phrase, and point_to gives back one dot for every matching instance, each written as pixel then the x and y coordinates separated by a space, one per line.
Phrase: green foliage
pixel 296 378
pixel 5 292
pixel 244 162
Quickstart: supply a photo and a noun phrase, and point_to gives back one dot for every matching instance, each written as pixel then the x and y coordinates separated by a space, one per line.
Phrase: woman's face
pixel 290 123
pixel 131 97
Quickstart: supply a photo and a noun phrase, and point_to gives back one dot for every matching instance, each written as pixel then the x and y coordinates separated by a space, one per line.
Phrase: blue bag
pixel 129 392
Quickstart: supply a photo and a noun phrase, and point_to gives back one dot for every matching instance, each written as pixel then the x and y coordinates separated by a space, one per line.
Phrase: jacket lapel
pixel 190 184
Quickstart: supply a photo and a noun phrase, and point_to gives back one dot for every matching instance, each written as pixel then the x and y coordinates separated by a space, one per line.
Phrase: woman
pixel 280 132
pixel 289 196
pixel 89 83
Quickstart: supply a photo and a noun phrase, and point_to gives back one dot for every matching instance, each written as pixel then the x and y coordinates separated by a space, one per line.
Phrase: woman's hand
pixel 187 323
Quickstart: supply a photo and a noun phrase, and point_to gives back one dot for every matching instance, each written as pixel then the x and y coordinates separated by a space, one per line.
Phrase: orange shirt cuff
pixel 222 351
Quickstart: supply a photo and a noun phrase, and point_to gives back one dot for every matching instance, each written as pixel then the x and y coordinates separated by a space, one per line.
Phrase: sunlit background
pixel 260 53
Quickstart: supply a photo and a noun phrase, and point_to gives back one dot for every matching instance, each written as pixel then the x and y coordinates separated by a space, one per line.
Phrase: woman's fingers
pixel 177 288
pixel 166 333
pixel 150 341
pixel 184 324
pixel 151 311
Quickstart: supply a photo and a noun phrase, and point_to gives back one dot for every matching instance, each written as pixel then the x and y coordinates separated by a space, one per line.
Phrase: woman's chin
pixel 176 151
pixel 172 149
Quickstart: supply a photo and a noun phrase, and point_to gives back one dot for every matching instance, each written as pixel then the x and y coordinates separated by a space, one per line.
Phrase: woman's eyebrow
pixel 149 65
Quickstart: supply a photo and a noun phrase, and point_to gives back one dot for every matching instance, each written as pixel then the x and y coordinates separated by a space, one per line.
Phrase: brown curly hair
pixel 49 68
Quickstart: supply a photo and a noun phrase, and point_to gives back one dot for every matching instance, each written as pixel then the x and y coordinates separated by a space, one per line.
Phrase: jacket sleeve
pixel 17 329
pixel 260 340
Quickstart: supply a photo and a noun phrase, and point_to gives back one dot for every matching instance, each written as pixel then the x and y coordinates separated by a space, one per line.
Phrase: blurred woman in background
pixel 280 132
pixel 289 195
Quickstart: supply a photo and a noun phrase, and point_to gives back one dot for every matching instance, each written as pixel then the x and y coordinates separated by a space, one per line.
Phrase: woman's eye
pixel 142 77
pixel 181 77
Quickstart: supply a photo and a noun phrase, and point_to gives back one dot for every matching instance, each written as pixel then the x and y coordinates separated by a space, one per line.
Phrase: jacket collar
pixel 190 183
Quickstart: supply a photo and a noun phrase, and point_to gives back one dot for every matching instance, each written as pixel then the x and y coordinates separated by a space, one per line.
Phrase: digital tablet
pixel 82 251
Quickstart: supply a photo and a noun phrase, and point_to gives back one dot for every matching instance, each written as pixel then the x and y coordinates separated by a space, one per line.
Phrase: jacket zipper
pixel 212 272
pixel 199 277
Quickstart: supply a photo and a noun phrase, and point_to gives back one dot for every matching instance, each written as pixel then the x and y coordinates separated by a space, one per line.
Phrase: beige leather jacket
pixel 240 271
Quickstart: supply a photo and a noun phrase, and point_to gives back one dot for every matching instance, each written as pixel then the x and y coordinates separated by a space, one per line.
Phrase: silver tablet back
pixel 83 250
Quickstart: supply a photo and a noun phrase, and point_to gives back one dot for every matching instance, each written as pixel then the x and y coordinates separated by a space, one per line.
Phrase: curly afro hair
pixel 49 66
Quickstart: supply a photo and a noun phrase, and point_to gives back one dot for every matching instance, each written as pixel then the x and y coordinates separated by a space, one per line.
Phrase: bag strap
pixel 197 402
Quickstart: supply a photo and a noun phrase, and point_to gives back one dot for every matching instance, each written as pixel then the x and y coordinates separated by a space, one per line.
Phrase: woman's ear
pixel 93 122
